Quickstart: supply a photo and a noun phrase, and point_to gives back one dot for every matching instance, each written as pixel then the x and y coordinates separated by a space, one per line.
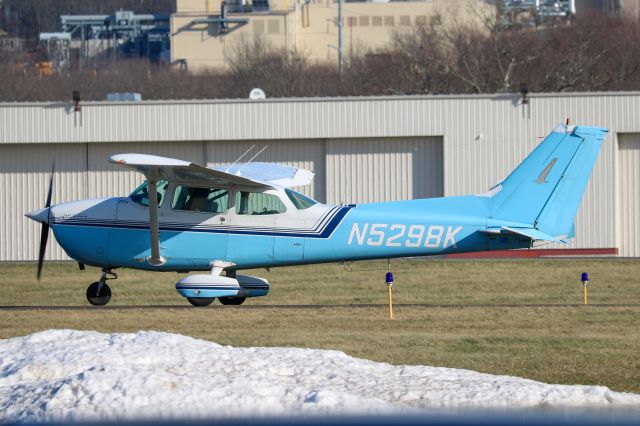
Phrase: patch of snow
pixel 83 375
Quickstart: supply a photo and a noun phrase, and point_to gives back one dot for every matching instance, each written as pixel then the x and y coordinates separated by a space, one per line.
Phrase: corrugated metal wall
pixel 24 179
pixel 108 180
pixel 307 154
pixel 383 169
pixel 629 195
pixel 483 139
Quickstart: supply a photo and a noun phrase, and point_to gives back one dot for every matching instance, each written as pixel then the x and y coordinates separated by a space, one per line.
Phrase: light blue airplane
pixel 186 217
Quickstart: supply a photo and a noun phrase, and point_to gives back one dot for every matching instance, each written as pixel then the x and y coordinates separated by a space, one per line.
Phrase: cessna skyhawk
pixel 186 217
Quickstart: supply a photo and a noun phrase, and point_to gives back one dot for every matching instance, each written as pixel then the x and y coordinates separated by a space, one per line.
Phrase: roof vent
pixel 124 97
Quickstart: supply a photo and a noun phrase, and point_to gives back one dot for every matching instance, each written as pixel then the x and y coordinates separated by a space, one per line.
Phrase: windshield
pixel 300 201
pixel 140 195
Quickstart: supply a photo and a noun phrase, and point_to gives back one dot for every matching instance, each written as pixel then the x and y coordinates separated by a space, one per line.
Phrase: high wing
pixel 172 169
pixel 155 168
pixel 257 174
pixel 275 174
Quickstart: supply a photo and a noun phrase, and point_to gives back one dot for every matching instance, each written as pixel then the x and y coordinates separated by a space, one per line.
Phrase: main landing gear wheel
pixel 232 300
pixel 201 301
pixel 98 298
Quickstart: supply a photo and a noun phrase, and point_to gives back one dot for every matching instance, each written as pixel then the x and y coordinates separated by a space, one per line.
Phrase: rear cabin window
pixel 140 195
pixel 300 201
pixel 258 203
pixel 208 200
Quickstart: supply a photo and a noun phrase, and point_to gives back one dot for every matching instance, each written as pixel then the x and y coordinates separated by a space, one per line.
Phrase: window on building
pixel 405 20
pixel 389 21
pixel 209 200
pixel 421 20
pixel 376 21
pixel 300 201
pixel 352 21
pixel 140 195
pixel 273 26
pixel 258 26
pixel 364 21
pixel 258 203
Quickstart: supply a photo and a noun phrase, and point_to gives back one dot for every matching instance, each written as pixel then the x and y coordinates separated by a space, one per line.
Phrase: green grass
pixel 573 345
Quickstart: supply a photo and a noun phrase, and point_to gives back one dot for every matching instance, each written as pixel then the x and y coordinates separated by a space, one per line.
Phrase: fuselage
pixel 114 232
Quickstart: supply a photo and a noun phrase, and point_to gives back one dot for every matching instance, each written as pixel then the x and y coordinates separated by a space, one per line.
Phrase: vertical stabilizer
pixel 545 190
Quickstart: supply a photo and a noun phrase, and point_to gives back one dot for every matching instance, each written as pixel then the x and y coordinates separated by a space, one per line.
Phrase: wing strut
pixel 155 259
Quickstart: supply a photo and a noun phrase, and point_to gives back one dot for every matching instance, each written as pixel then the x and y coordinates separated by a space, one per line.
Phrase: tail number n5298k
pixel 399 235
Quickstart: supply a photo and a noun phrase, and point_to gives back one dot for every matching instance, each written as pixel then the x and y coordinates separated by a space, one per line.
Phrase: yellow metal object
pixel 390 287
pixel 585 293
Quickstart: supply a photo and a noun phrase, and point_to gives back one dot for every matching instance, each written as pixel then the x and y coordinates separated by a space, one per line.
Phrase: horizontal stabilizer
pixel 531 233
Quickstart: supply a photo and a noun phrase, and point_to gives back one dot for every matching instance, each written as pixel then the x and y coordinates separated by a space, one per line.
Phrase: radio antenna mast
pixel 239 158
pixel 252 158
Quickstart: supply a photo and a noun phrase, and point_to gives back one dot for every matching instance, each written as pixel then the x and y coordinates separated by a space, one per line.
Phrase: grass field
pixel 585 344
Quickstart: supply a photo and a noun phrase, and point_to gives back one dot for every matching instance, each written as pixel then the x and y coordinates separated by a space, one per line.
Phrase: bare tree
pixel 598 53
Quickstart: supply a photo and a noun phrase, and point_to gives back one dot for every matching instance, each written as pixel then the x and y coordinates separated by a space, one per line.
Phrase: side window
pixel 257 203
pixel 210 200
pixel 300 201
pixel 140 195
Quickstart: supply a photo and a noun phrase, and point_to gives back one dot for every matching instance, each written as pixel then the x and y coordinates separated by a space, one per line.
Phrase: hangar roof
pixel 456 116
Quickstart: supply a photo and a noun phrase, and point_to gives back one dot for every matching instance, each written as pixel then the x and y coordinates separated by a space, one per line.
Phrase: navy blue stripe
pixel 208 287
pixel 178 225
pixel 327 217
pixel 205 287
pixel 326 232
pixel 335 222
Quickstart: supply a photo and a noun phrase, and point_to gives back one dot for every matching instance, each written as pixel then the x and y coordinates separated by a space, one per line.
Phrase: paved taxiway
pixel 348 306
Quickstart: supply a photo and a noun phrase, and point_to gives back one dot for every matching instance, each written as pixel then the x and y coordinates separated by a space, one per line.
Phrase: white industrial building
pixel 362 149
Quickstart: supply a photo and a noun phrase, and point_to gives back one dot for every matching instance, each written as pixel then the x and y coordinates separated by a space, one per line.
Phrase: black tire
pixel 232 300
pixel 103 299
pixel 201 301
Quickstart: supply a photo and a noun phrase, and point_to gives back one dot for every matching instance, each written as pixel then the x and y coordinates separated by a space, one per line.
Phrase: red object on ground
pixel 534 253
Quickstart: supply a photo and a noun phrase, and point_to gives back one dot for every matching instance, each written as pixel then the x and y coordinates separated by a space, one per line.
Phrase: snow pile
pixel 72 375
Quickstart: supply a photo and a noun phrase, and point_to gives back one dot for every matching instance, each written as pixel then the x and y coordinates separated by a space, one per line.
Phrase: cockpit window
pixel 140 195
pixel 300 201
pixel 258 203
pixel 209 200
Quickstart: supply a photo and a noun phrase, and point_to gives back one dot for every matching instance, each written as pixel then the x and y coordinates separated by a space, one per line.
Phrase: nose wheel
pixel 99 293
pixel 98 296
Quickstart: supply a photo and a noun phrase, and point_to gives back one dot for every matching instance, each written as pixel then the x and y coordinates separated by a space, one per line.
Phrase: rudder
pixel 545 190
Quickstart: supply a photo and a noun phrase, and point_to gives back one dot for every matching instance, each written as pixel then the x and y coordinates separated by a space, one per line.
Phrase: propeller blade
pixel 50 186
pixel 44 233
pixel 44 236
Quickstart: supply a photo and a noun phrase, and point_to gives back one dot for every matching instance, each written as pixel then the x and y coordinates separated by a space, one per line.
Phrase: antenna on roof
pixel 252 158
pixel 239 158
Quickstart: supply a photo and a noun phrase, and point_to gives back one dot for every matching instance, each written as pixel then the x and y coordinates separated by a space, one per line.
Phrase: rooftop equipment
pixel 145 35
pixel 124 97
pixel 535 12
